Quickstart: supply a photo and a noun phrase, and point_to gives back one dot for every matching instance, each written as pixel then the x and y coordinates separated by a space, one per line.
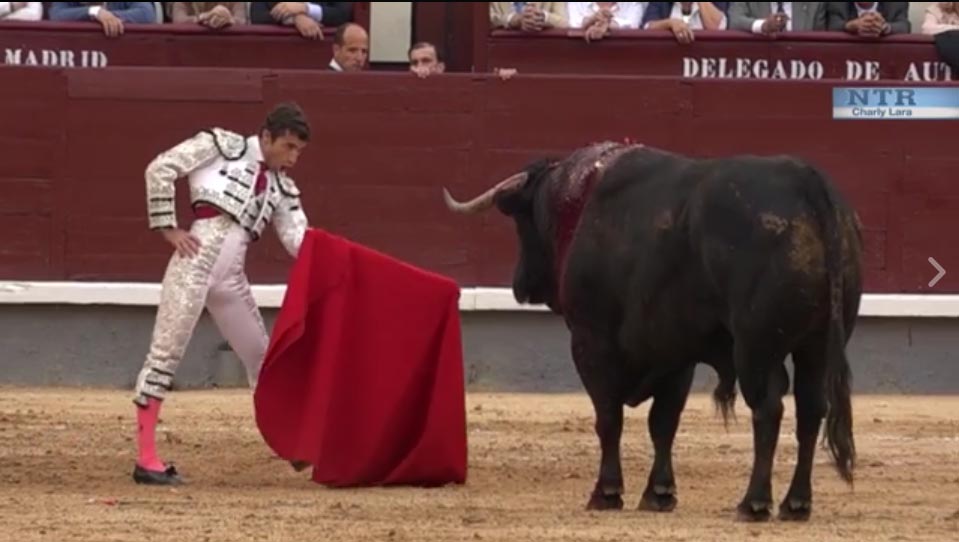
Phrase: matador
pixel 237 186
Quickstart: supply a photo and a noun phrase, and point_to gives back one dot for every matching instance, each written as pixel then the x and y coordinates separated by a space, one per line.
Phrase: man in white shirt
pixel 21 11
pixel 596 19
pixel 527 16
pixel 775 17
pixel 618 14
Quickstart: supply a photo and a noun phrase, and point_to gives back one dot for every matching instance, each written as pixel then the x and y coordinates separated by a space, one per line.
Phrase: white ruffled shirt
pixel 626 14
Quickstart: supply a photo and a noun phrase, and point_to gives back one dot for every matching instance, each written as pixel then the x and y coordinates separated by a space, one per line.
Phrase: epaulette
pixel 231 145
pixel 288 187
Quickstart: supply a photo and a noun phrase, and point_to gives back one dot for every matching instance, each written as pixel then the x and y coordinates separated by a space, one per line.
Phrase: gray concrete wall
pixel 528 352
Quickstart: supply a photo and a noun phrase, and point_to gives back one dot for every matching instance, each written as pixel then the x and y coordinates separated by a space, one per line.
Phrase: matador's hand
pixel 184 242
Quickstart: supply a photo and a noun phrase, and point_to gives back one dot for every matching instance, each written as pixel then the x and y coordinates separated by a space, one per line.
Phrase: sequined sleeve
pixel 291 221
pixel 291 224
pixel 169 166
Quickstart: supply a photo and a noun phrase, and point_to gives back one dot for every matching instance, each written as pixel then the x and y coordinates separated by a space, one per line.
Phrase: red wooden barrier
pixel 83 45
pixel 715 54
pixel 75 143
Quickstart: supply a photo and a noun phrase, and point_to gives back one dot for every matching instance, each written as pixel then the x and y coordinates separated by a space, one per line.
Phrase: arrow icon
pixel 942 272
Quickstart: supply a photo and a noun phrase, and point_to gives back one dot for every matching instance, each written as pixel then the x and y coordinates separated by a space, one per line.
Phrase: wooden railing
pixel 729 54
pixel 83 44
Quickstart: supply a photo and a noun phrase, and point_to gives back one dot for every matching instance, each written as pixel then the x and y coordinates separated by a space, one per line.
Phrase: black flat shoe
pixel 168 477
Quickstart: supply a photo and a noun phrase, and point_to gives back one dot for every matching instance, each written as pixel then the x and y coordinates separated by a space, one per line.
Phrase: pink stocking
pixel 146 436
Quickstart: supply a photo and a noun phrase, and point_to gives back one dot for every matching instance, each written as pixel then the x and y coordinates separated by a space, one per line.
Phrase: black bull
pixel 658 262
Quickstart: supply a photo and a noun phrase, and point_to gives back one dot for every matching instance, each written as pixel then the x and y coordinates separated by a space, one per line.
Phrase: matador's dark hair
pixel 285 118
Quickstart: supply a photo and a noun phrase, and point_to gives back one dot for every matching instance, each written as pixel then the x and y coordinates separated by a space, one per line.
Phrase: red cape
pixel 363 377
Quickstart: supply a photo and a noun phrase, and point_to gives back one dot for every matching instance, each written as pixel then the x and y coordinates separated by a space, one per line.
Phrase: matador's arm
pixel 290 220
pixel 200 150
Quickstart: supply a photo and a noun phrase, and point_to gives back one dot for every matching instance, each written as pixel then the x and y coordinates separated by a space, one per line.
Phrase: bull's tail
pixel 839 425
pixel 839 433
pixel 724 398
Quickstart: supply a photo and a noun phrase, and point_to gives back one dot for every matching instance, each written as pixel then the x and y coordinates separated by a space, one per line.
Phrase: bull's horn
pixel 485 200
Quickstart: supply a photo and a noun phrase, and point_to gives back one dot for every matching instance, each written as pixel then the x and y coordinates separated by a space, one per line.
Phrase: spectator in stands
pixel 598 18
pixel 351 46
pixel 528 16
pixel 210 14
pixel 425 60
pixel 21 11
pixel 309 18
pixel 110 15
pixel 682 18
pixel 869 19
pixel 774 17
pixel 941 17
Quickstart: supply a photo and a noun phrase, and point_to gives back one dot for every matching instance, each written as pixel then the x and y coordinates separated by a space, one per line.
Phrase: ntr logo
pixel 882 97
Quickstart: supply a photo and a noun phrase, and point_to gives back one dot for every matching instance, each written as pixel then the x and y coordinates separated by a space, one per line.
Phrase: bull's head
pixel 524 198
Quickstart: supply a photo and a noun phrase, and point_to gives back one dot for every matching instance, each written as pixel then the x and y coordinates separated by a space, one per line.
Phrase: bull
pixel 658 262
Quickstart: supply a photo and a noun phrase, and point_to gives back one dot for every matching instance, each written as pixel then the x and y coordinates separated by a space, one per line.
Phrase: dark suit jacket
pixel 657 11
pixel 895 13
pixel 334 13
pixel 807 16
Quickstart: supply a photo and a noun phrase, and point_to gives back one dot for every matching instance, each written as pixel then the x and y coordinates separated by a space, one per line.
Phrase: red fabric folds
pixel 363 377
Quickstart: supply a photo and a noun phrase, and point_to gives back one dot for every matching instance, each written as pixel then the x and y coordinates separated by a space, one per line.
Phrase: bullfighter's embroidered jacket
pixel 222 167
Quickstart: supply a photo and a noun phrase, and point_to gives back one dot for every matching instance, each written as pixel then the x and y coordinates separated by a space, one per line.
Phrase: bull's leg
pixel 763 381
pixel 608 492
pixel 809 391
pixel 669 400
pixel 596 370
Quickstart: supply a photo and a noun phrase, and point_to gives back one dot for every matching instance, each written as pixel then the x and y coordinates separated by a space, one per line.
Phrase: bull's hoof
pixel 600 502
pixel 659 499
pixel 658 503
pixel 754 512
pixel 795 510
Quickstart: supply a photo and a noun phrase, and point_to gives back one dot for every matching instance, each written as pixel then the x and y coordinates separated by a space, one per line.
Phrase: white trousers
pixel 216 279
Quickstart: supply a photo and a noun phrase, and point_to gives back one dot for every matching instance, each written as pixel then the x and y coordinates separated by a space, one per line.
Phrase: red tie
pixel 260 180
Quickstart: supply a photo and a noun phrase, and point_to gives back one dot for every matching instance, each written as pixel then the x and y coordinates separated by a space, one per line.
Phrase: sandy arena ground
pixel 66 456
